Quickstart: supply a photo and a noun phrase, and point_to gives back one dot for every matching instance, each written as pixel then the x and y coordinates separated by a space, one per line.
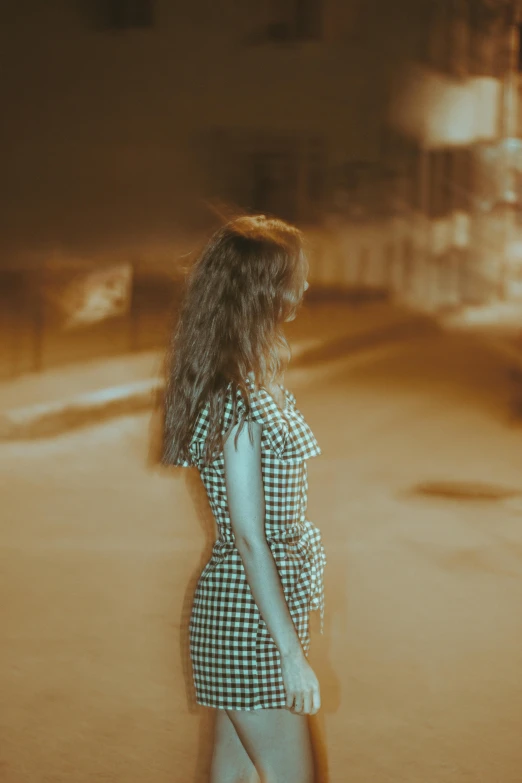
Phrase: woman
pixel 249 627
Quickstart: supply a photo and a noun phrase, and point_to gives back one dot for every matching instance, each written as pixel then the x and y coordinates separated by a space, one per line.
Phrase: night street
pixel 418 495
pixel 190 178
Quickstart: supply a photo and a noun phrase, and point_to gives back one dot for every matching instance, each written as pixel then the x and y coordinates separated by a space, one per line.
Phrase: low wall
pixel 392 257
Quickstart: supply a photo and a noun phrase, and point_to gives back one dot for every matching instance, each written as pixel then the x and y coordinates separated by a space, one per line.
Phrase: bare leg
pixel 278 742
pixel 230 761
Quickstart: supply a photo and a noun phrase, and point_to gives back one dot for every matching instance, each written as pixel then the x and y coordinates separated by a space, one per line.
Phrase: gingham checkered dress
pixel 235 662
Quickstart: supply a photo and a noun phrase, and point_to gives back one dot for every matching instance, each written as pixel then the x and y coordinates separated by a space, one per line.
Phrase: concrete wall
pixel 104 131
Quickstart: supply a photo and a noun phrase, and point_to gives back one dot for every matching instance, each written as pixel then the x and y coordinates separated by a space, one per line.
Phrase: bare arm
pixel 246 503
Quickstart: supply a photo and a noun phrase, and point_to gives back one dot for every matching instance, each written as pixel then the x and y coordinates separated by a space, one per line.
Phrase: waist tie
pixel 311 547
pixel 308 545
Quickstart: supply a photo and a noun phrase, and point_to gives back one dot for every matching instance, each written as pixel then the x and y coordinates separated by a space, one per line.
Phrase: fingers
pixel 304 703
pixel 295 702
pixel 311 702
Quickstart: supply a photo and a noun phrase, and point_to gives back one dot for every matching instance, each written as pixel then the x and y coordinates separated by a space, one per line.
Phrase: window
pixel 489 39
pixel 126 14
pixel 440 190
pixel 445 44
pixel 277 174
pixel 274 180
pixel 293 20
pixel 437 39
pixel 450 180
pixel 462 179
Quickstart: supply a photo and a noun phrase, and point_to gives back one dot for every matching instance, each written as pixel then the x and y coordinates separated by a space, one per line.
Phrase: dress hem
pixel 241 709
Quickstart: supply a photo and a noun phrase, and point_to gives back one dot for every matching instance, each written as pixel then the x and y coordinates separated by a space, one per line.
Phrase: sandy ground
pixel 421 661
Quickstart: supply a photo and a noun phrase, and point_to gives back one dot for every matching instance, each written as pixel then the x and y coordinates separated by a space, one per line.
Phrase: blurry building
pixel 129 116
pixel 129 123
pixel 454 123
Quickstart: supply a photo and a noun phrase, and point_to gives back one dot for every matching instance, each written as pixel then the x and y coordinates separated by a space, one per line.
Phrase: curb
pixel 40 421
pixel 48 419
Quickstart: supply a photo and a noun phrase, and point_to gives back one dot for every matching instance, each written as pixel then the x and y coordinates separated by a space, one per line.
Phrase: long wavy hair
pixel 249 279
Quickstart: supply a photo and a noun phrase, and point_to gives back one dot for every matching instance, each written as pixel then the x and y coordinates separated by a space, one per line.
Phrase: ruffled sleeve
pixel 198 440
pixel 286 435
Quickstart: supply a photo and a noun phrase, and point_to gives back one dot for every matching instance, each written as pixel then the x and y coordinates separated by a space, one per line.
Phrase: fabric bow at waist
pixel 307 546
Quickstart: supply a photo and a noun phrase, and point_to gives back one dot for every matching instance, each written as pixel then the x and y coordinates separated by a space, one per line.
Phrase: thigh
pixel 230 761
pixel 278 742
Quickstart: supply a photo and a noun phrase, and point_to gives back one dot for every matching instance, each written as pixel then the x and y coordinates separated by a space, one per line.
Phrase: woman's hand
pixel 301 685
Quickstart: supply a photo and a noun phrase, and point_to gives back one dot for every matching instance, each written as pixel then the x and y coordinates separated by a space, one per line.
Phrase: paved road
pixel 421 662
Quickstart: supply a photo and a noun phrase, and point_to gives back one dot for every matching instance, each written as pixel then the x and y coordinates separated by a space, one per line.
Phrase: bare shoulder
pixel 240 443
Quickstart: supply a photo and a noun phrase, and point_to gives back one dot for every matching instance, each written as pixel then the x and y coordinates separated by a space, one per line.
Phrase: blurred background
pixel 391 133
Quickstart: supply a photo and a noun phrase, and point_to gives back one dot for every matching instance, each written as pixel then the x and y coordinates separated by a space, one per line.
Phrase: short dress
pixel 235 662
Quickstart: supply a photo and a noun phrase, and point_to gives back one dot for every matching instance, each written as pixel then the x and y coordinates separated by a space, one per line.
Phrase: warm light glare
pixel 437 110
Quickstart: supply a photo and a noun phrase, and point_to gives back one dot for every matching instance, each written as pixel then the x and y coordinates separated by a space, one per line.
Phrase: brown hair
pixel 248 280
